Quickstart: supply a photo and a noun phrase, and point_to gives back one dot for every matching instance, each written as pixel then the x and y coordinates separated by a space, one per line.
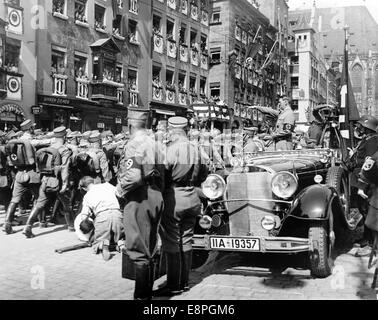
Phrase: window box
pixel 157 93
pixel 60 16
pixel 59 84
pixel 118 37
pixel 183 53
pixel 82 24
pixel 204 61
pixel 82 88
pixel 101 30
pixel 194 57
pixel 133 98
pixel 182 98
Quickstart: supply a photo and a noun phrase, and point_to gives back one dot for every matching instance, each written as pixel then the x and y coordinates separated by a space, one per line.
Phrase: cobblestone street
pixel 83 275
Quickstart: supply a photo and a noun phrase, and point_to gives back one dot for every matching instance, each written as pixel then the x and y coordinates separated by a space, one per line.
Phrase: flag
pixel 348 106
pixel 270 57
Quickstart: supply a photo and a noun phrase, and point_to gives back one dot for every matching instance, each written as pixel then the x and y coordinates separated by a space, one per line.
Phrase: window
pixel 118 25
pixel 170 80
pixel 215 56
pixel 182 79
pixel 100 17
pixel 294 60
pixel 294 82
pixel 133 32
pixel 156 24
pixel 356 78
pixel 59 7
pixel 58 62
pixel 109 71
pixel 183 34
pixel 156 78
pixel 12 57
pixel 132 79
pixel 81 10
pixel 80 67
pixel 133 6
pixel 214 91
pixel 170 30
pixel 193 85
pixel 215 16
pixel 193 39
pixel 119 73
pixel 203 43
pixel 203 82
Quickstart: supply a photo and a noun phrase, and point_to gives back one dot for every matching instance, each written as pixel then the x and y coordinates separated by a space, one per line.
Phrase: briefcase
pixel 128 266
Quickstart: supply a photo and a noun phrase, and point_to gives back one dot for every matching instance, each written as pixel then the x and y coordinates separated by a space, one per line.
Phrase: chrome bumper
pixel 267 244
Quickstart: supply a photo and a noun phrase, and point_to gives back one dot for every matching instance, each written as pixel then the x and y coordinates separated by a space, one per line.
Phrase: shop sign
pixel 54 100
pixel 13 108
pixel 8 116
pixel 101 125
pixel 36 109
pixel 118 120
pixel 105 117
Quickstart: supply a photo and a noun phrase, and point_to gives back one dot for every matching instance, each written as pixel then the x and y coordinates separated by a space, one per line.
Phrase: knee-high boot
pixel 186 265
pixel 143 286
pixel 29 224
pixel 173 277
pixel 9 218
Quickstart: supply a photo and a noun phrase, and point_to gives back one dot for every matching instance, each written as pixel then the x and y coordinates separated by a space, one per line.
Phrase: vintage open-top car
pixel 291 202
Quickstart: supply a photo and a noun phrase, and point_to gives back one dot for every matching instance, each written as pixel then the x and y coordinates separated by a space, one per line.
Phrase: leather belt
pixel 182 185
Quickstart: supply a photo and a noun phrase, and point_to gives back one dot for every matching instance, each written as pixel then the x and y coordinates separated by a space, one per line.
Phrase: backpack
pixel 87 164
pixel 48 159
pixel 20 152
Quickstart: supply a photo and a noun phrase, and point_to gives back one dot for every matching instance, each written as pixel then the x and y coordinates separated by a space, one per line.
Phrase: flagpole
pixel 346 66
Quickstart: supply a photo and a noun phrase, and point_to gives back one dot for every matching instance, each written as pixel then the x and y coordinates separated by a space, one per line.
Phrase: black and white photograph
pixel 188 151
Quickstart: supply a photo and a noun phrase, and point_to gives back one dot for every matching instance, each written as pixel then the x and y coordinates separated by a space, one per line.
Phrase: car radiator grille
pixel 246 216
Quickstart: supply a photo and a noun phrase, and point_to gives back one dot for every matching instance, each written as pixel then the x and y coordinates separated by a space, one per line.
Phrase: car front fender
pixel 313 203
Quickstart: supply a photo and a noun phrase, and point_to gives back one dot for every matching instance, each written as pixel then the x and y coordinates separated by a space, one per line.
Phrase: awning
pixel 165 112
pixel 57 106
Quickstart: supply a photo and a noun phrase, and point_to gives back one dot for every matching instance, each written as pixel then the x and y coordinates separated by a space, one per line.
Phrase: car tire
pixel 320 258
pixel 336 178
pixel 277 271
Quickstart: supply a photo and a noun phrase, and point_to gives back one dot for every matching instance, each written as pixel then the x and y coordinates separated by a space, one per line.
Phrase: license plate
pixel 247 244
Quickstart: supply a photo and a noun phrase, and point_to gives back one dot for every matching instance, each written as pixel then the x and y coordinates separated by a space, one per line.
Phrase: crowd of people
pixel 120 191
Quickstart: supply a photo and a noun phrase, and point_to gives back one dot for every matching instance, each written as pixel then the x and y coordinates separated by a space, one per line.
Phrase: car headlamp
pixel 214 187
pixel 284 184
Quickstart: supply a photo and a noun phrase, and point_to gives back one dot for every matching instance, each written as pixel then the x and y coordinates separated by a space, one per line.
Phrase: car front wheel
pixel 321 261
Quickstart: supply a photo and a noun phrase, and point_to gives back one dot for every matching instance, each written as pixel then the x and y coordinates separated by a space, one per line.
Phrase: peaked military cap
pixel 26 125
pixel 10 135
pixel 60 132
pixel 94 137
pixel 86 134
pixel 177 122
pixel 136 115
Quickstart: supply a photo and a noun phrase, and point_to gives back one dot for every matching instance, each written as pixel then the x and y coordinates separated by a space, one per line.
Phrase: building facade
pixel 88 84
pixel 180 59
pixel 18 62
pixel 363 48
pixel 242 71
pixel 312 80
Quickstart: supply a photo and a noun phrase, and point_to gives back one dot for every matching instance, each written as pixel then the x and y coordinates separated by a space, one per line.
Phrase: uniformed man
pixel 54 181
pixel 368 179
pixel 21 156
pixel 285 126
pixel 95 146
pixel 5 176
pixel 27 128
pixel 140 184
pixel 368 145
pixel 182 207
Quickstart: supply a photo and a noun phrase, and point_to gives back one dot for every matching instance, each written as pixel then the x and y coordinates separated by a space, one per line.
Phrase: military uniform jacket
pixel 366 147
pixel 286 122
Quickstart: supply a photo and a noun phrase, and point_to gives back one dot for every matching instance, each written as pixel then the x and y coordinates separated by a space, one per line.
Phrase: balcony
pixel 194 57
pixel 133 98
pixel 157 93
pixel 158 43
pixel 205 18
pixel 133 6
pixel 170 96
pixel 82 88
pixel 182 98
pixel 204 61
pixel 59 84
pixel 184 7
pixel 194 12
pixel 120 92
pixel 171 4
pixel 171 49
pixel 183 53
pixel 106 89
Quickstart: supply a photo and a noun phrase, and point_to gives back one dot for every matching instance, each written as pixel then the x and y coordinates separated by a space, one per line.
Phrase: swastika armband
pixel 288 127
pixel 132 163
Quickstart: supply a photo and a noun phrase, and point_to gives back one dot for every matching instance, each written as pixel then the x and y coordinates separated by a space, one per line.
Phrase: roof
pixel 103 42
